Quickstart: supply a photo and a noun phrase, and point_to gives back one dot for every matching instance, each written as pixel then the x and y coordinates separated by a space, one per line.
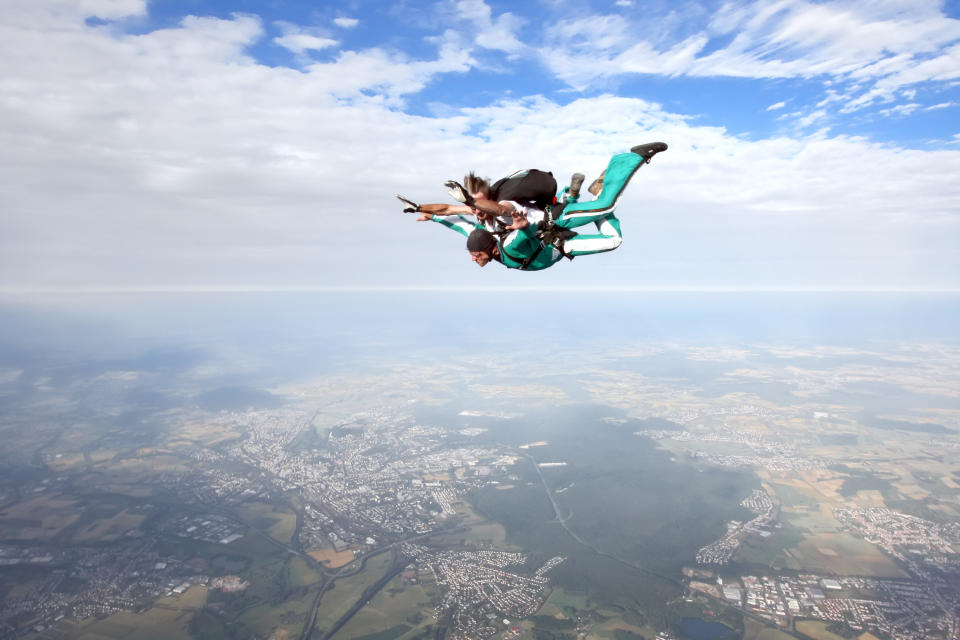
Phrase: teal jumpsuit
pixel 522 250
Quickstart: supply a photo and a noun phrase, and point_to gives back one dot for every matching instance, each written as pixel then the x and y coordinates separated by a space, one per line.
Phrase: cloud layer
pixel 172 158
pixel 876 49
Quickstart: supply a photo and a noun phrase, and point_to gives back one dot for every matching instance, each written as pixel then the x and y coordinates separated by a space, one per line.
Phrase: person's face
pixel 480 257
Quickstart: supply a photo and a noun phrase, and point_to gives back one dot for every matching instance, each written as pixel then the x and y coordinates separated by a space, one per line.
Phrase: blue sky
pixel 257 145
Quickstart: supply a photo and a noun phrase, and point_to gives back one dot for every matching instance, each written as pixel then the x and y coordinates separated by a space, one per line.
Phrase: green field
pixel 842 554
pixel 278 522
pixel 282 586
pixel 347 591
pixel 792 498
pixel 397 610
pixel 770 552
pixel 564 599
pixel 301 573
pixel 287 616
pixel 816 630
pixel 758 631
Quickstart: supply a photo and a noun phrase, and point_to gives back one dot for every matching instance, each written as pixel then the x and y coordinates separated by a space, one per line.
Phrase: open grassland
pixel 397 610
pixel 281 592
pixel 279 524
pixel 19 587
pixel 301 573
pixel 332 558
pixel 561 598
pixel 125 486
pixel 38 519
pixel 491 534
pixel 772 551
pixel 206 434
pixel 109 529
pixel 168 619
pixel 754 630
pixel 347 590
pixel 478 531
pixel 814 521
pixel 160 463
pixel 816 630
pixel 280 618
pixel 65 462
pixel 98 456
pixel 842 554
pixel 795 494
pixel 609 628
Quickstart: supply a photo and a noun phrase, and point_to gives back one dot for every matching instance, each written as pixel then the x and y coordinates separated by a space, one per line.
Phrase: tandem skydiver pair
pixel 524 223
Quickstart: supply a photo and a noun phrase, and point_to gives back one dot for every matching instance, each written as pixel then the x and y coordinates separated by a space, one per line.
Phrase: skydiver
pixel 517 245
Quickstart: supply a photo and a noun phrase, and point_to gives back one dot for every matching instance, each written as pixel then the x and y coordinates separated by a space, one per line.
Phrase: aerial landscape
pixel 760 489
pixel 688 367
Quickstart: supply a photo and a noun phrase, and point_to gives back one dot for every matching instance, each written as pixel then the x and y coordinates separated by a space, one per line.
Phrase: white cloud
pixel 776 105
pixel 172 159
pixel 902 109
pixel 888 46
pixel 346 23
pixel 499 34
pixel 812 117
pixel 388 73
pixel 300 40
pixel 942 105
pixel 68 13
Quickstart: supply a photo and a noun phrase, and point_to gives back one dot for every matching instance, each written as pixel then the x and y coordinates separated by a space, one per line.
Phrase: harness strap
pixel 523 263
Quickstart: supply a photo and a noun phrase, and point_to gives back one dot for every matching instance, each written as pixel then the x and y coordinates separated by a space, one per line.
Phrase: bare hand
pixel 424 216
pixel 519 221
pixel 482 216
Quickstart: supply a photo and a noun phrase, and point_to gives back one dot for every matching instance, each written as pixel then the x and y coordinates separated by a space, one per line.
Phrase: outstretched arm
pixel 474 204
pixel 481 208
pixel 445 209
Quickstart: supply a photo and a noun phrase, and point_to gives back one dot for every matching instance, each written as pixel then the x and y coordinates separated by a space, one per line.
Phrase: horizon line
pixel 425 289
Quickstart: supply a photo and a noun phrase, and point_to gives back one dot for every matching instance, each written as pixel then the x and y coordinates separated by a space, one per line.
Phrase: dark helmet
pixel 481 240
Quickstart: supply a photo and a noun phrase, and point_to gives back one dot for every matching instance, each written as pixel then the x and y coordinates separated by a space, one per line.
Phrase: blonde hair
pixel 475 184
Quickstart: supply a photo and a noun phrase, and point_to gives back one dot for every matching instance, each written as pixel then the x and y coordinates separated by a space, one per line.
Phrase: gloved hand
pixel 459 192
pixel 412 207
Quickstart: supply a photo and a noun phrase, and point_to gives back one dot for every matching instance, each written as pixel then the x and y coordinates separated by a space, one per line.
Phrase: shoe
pixel 576 181
pixel 649 149
pixel 597 185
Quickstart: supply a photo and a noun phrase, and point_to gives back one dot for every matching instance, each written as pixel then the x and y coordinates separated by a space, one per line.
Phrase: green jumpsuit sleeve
pixel 458 223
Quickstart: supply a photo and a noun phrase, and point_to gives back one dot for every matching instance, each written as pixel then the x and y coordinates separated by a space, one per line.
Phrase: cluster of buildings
pixel 86 582
pixel 921 607
pixel 373 483
pixel 385 480
pixel 898 608
pixel 722 551
pixel 207 528
pixel 766 454
pixel 482 589
pixel 928 549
